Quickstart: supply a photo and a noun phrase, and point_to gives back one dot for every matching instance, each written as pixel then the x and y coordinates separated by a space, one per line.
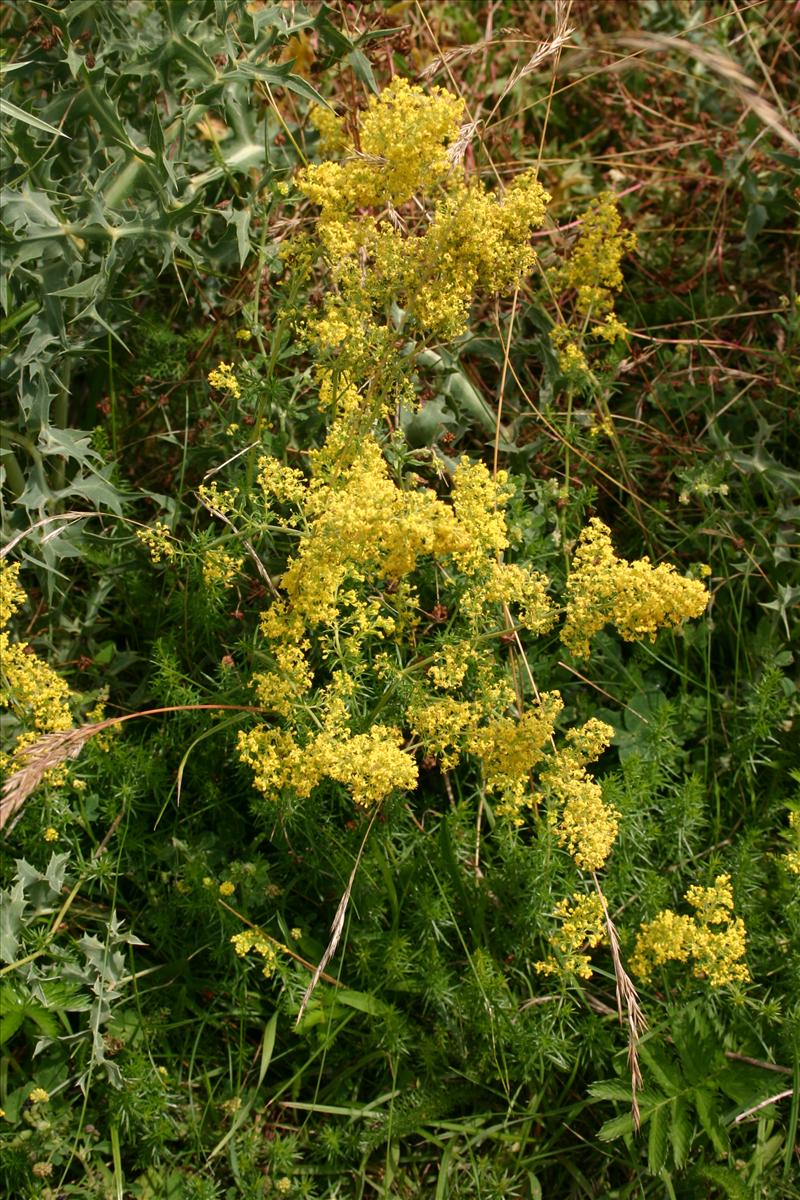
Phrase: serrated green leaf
pixel 615 1128
pixel 657 1140
pixel 666 1073
pixel 611 1089
pixel 680 1132
pixel 56 870
pixel 706 1105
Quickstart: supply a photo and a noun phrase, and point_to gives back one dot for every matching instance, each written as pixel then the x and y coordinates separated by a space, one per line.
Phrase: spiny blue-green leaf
pixel 18 114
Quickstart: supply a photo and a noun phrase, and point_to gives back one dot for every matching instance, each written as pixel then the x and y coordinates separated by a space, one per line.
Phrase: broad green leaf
pixel 10 1021
pixel 363 1002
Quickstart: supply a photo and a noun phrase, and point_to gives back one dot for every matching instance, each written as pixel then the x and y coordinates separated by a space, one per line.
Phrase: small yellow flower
pixel 227 888
pixel 38 1095
pixel 50 834
pixel 284 1185
pixel 224 379
pixel 158 541
pixel 296 934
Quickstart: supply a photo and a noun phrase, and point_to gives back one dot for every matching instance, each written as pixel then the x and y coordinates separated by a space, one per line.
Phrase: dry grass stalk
pixel 724 67
pixel 543 51
pixel 458 53
pixel 337 926
pixel 628 1008
pixel 458 149
pixel 33 762
pixel 561 35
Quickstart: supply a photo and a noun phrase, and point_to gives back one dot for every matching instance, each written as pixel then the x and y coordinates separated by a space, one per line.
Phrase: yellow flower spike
pixel 587 826
pixel 38 697
pixel 50 834
pixel 38 1095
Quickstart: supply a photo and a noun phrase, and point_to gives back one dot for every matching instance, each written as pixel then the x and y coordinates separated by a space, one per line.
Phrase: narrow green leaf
pixel 267 1046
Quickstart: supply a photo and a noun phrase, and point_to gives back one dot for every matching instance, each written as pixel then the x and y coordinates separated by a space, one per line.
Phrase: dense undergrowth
pixel 400 415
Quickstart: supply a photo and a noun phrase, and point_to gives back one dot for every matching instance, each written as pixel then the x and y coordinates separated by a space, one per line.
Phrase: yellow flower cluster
pixel 158 542
pixel 263 945
pixel 512 584
pixel 430 257
pixel 717 953
pixel 38 1095
pixel 370 765
pixel 285 484
pixel 221 500
pixel 593 270
pixel 593 273
pixel 403 138
pixel 791 859
pixel 38 697
pixel 582 928
pixel 364 527
pixel 442 723
pixel 638 598
pixel 220 568
pixel 223 378
pixel 588 826
pixel 509 748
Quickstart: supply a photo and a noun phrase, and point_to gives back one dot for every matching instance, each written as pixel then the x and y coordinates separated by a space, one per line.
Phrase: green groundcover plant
pixel 404 833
